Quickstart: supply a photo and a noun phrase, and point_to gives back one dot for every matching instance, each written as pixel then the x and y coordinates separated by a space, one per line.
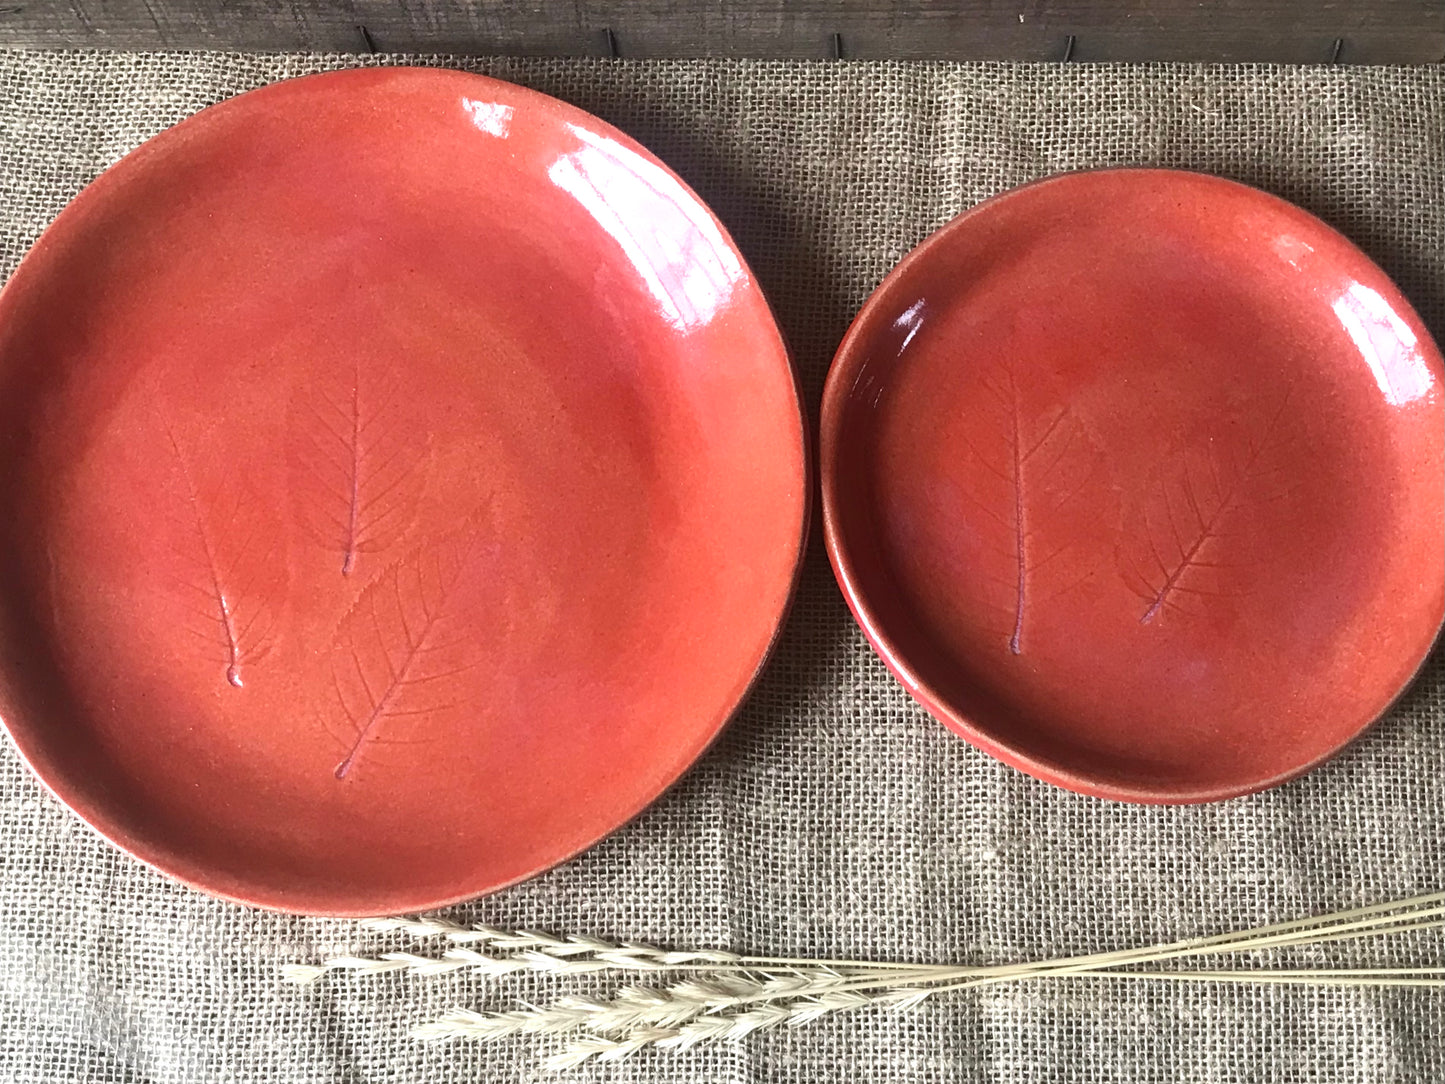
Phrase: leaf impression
pixel 358 463
pixel 402 653
pixel 230 569
pixel 1031 457
pixel 1179 526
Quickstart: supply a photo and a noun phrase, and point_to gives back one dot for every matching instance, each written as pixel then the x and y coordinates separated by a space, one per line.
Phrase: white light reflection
pixel 910 320
pixel 1294 251
pixel 688 266
pixel 1386 343
pixel 494 118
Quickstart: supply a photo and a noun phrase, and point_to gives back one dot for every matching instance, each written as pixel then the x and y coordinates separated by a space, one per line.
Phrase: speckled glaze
pixel 402 479
pixel 1136 480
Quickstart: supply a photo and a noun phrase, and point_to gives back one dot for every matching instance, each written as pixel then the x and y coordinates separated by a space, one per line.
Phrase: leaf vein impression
pixel 1020 536
pixel 1207 525
pixel 400 675
pixel 349 560
pixel 217 592
pixel 381 708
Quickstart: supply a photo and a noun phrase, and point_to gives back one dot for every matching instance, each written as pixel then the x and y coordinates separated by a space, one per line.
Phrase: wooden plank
pixel 1348 31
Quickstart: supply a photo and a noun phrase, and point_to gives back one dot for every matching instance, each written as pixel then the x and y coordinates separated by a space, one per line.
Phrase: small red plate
pixel 1134 479
pixel 402 480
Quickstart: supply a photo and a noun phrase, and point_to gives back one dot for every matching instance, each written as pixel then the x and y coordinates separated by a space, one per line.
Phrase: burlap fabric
pixel 834 816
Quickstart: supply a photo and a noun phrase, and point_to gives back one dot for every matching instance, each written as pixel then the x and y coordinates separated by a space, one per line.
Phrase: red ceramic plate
pixel 1134 479
pixel 402 480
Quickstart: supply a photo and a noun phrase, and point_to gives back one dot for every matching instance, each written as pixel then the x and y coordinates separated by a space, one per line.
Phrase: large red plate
pixel 402 480
pixel 1134 478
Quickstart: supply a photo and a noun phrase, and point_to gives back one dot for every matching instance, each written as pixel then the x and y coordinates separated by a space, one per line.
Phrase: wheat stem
pixel 715 1027
pixel 1370 921
pixel 534 951
pixel 686 1001
pixel 1380 976
pixel 635 1007
pixel 574 945
pixel 1101 962
pixel 728 995
pixel 460 960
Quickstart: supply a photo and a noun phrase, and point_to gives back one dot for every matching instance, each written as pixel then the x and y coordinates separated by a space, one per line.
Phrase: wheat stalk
pixel 534 951
pixel 722 1026
pixel 635 1006
pixel 533 940
pixel 691 1001
pixel 583 956
pixel 508 940
pixel 812 992
pixel 727 995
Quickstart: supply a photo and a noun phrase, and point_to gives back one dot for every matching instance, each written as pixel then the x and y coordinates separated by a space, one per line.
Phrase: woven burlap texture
pixel 834 816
